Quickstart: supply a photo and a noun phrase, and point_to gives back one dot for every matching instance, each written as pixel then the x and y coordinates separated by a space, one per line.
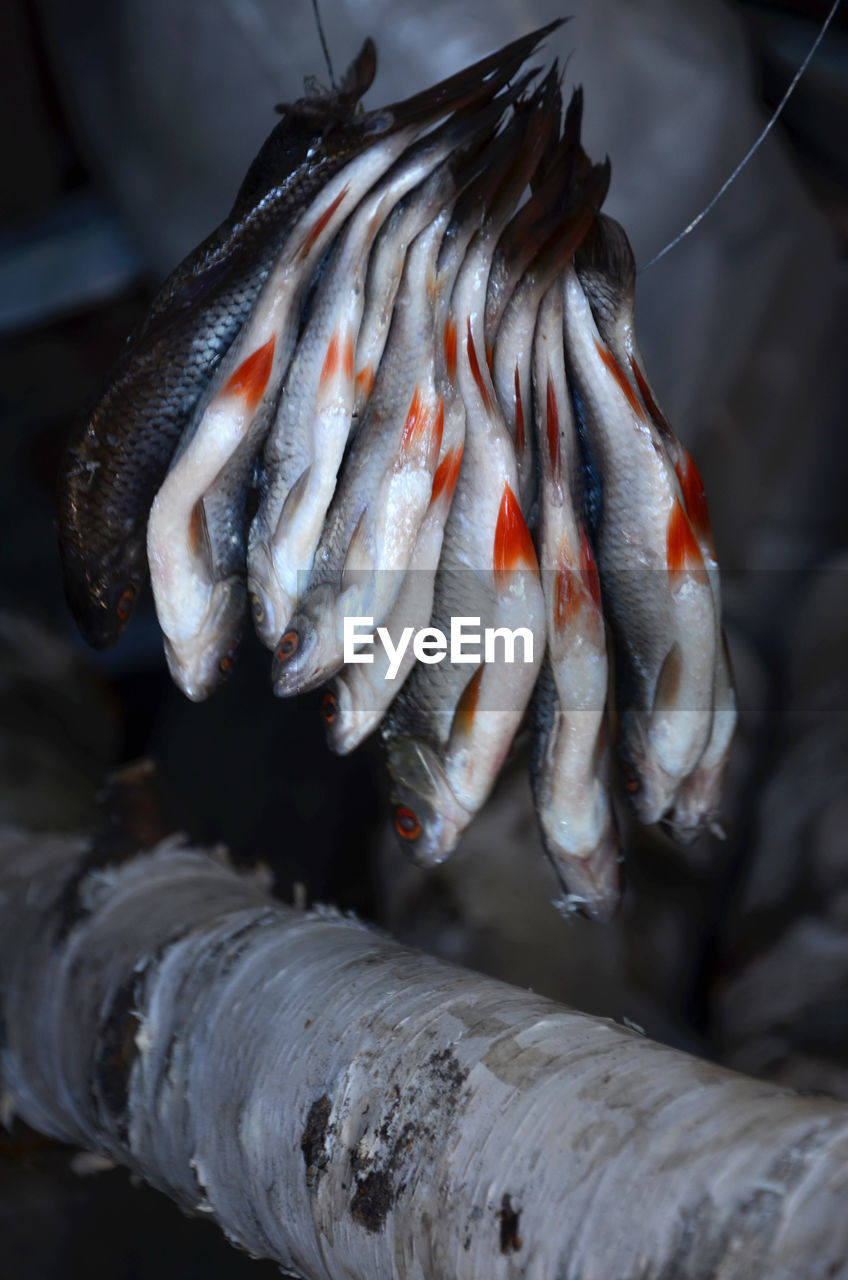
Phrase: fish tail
pixel 473 86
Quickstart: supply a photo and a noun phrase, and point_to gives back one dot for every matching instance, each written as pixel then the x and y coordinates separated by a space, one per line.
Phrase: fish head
pixel 592 878
pixel 339 713
pixel 270 606
pixel 696 807
pixel 301 657
pixel 651 789
pixel 199 665
pixel 102 593
pixel 428 819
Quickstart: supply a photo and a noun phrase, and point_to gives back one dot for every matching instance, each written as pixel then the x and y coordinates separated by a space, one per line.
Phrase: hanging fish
pixel 656 592
pixel 607 272
pixel 361 693
pixel 570 765
pixel 305 446
pixel 449 730
pixel 385 488
pixel 198 608
pixel 116 461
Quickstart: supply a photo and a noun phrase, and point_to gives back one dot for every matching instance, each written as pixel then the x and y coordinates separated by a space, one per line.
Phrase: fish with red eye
pixel 406 824
pixel 288 646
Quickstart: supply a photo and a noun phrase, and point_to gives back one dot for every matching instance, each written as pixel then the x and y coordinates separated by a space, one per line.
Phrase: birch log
pixel 351 1108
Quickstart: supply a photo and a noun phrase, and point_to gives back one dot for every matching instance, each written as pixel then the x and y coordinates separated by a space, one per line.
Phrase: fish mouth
pixel 344 730
pixel 198 666
pixel 299 660
pixel 307 654
pixel 101 602
pixel 428 819
pixel 592 881
pixel 270 605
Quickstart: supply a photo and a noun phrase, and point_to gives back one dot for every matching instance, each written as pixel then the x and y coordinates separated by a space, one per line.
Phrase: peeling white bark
pixel 354 1109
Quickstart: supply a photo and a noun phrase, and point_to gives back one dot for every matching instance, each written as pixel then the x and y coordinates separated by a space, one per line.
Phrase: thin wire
pixel 753 148
pixel 323 40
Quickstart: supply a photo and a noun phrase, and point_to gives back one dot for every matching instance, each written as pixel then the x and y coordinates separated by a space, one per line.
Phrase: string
pixel 323 40
pixel 749 153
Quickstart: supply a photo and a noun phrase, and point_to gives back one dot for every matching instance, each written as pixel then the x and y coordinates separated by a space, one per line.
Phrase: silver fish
pixel 305 446
pixel 607 272
pixel 383 492
pixel 570 767
pixel 446 735
pixel 386 485
pixel 657 595
pixel 236 412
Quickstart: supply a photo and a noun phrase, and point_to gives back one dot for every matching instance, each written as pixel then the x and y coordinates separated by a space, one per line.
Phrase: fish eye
pixel 257 609
pixel 123 608
pixel 287 647
pixel 329 707
pixel 225 666
pixel 406 824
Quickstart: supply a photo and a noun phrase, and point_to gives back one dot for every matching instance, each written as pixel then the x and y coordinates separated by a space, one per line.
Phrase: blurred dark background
pixel 127 128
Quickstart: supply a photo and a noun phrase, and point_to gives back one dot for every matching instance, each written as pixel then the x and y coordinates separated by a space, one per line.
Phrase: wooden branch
pixel 351 1108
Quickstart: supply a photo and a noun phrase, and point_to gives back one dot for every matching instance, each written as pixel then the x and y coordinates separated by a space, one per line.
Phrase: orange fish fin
pixel 466 708
pixel 476 372
pixel 416 427
pixel 694 498
pixel 348 358
pixel 566 598
pixel 552 419
pixel 199 542
pixel 520 435
pixel 365 381
pixel 450 348
pixel 650 403
pixel 682 552
pixel 513 546
pixel 319 225
pixel 447 474
pixel 589 569
pixel 620 378
pixel 331 360
pixel 251 377
pixel 438 428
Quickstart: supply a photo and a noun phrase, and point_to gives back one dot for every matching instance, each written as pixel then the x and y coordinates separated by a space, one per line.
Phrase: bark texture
pixel 351 1108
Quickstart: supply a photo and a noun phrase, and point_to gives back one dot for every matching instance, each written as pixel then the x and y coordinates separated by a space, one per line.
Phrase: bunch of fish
pixel 401 382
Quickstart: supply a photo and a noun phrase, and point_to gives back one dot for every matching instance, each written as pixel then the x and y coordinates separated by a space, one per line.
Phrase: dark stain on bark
pixel 508 1219
pixel 372 1200
pixel 313 1139
pixel 445 1069
pixel 115 1054
pixel 419 1116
